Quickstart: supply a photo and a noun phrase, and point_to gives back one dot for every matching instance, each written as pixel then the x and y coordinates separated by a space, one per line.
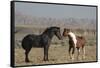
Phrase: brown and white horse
pixel 75 42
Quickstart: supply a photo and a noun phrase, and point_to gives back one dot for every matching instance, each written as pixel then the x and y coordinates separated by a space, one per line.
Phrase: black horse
pixel 42 41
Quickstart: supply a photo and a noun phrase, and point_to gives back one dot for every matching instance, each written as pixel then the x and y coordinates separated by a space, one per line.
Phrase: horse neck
pixel 71 36
pixel 48 33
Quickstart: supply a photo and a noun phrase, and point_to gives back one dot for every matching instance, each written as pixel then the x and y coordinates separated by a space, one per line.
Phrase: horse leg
pixel 45 53
pixel 78 53
pixel 70 51
pixel 83 52
pixel 73 51
pixel 26 55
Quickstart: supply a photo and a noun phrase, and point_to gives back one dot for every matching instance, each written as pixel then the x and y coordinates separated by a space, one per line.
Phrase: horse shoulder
pixel 45 39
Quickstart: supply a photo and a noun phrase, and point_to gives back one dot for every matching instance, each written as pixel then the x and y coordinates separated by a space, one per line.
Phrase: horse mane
pixel 46 30
pixel 49 28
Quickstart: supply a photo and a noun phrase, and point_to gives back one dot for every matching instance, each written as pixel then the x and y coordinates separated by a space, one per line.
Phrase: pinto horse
pixel 75 42
pixel 40 41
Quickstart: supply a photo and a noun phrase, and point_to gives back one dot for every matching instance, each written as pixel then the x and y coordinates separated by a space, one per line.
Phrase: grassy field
pixel 58 52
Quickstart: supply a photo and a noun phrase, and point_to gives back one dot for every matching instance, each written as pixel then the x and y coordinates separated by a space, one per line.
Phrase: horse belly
pixel 36 43
pixel 80 43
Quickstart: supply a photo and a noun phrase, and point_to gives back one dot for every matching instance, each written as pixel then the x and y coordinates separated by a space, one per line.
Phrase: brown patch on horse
pixel 80 41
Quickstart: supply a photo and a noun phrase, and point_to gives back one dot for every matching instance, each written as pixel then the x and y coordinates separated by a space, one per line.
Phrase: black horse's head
pixel 56 31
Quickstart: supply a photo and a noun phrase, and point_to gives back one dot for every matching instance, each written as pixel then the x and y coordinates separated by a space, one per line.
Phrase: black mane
pixel 50 28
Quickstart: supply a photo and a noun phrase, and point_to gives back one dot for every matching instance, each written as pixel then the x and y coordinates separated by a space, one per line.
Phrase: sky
pixel 55 11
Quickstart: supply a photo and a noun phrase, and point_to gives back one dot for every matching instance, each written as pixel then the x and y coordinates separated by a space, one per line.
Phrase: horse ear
pixel 68 30
pixel 65 29
pixel 47 28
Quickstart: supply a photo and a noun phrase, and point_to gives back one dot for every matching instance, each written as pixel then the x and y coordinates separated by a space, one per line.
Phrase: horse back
pixel 32 40
pixel 37 40
pixel 80 41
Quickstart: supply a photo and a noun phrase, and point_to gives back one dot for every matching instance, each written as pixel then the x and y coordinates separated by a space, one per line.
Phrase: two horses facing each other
pixel 75 42
pixel 44 40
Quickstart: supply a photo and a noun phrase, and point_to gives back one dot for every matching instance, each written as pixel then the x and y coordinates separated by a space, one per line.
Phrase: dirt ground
pixel 57 54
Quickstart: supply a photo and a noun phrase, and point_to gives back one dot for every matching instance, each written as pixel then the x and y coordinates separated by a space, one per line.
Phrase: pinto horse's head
pixel 65 32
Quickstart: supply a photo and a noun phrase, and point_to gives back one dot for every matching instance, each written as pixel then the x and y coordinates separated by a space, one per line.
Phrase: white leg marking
pixel 72 56
pixel 83 52
pixel 78 53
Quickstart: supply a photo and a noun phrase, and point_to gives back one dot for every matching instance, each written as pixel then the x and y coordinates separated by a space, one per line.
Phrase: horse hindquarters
pixel 27 45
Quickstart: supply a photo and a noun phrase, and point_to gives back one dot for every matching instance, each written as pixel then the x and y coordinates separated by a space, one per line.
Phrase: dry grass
pixel 57 54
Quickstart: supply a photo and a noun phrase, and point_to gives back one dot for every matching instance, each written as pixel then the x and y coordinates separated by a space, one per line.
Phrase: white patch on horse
pixel 73 36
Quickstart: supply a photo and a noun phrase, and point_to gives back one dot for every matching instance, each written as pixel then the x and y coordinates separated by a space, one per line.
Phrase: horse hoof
pixel 83 58
pixel 27 61
pixel 72 58
pixel 46 60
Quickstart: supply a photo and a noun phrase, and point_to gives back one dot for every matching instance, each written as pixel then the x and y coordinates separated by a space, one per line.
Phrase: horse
pixel 40 41
pixel 75 42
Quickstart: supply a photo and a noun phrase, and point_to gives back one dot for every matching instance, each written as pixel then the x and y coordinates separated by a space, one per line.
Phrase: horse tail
pixel 23 46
